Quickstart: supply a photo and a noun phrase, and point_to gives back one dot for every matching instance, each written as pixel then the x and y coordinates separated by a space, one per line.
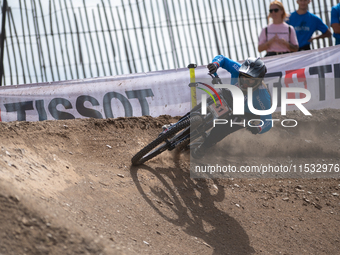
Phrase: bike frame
pixel 217 111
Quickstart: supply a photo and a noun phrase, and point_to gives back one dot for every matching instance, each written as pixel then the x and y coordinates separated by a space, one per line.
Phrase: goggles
pixel 246 80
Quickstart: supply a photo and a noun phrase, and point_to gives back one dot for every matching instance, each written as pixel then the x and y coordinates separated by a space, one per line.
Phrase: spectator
pixel 305 24
pixel 335 22
pixel 278 37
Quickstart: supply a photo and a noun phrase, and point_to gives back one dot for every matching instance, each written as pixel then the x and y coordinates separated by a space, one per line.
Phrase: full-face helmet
pixel 251 73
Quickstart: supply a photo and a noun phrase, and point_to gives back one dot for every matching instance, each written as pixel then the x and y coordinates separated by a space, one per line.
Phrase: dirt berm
pixel 68 187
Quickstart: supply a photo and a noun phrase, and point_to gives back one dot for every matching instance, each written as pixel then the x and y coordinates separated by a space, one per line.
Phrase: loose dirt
pixel 68 187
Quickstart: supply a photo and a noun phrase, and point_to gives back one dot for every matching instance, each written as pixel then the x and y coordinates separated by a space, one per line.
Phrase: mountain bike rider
pixel 249 74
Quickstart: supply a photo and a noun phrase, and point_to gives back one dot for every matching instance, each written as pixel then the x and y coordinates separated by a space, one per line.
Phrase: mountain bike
pixel 191 129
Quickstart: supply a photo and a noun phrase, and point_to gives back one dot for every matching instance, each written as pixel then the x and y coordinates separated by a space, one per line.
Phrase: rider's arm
pixel 230 65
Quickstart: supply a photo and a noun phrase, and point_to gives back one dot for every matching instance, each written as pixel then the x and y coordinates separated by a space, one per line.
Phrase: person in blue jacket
pixel 335 23
pixel 249 74
pixel 305 24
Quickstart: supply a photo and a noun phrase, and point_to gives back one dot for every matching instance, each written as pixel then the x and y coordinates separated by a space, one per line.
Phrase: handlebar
pixel 215 78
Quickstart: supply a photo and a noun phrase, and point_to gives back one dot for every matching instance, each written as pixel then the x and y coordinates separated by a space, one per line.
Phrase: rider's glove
pixel 212 67
pixel 254 130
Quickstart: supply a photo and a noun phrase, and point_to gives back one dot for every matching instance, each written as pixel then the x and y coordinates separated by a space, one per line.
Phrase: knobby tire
pixel 143 155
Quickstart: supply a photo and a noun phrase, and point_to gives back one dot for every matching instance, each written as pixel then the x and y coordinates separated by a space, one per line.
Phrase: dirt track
pixel 67 187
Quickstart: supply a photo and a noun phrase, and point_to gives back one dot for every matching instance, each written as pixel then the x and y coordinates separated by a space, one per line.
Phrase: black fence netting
pixel 54 40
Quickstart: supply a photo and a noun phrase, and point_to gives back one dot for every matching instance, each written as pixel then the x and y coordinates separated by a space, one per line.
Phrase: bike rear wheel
pixel 161 143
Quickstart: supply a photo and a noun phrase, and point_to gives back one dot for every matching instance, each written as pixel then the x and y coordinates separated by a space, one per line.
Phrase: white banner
pixel 165 92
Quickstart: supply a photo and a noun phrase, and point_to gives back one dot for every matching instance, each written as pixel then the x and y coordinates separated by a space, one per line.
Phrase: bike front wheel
pixel 164 141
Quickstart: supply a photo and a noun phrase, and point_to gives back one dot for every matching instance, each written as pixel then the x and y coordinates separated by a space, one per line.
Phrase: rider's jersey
pixel 261 96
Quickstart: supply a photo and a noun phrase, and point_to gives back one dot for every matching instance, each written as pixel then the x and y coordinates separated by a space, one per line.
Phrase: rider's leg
pixel 217 134
pixel 220 131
